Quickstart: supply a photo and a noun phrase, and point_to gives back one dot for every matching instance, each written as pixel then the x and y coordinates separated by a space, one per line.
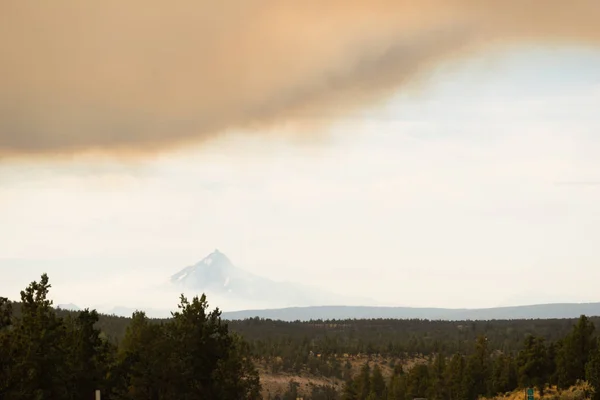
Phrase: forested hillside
pixel 48 353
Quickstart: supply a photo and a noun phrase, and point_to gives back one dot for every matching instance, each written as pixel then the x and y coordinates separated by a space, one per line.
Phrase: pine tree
pixel 207 361
pixel 533 364
pixel 6 358
pixel 397 385
pixel 191 356
pixel 438 388
pixel 378 388
pixel 39 369
pixel 552 355
pixel 350 391
pixel 454 377
pixel 574 353
pixel 417 384
pixel 477 373
pixel 593 371
pixel 144 361
pixel 88 355
pixel 363 382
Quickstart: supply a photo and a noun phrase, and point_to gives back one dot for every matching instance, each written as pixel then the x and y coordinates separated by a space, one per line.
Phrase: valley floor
pixel 278 383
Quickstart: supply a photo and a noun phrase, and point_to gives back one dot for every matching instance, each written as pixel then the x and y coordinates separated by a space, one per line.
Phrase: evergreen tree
pixel 378 387
pixel 350 391
pixel 476 381
pixel 417 384
pixel 533 364
pixel 207 361
pixel 39 367
pixel 574 353
pixel 323 393
pixel 5 313
pixel 193 355
pixel 438 388
pixel 397 385
pixel 504 376
pixel 89 356
pixel 552 355
pixel 454 377
pixel 6 358
pixel 593 371
pixel 62 355
pixel 363 382
pixel 144 361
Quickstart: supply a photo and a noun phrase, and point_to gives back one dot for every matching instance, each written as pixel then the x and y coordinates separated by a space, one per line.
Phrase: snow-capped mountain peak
pixel 217 277
pixel 212 272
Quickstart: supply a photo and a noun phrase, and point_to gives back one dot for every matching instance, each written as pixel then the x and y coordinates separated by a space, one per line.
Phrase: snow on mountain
pixel 226 286
pixel 222 282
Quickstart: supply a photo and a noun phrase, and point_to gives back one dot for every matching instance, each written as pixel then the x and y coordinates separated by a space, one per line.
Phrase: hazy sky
pixel 478 188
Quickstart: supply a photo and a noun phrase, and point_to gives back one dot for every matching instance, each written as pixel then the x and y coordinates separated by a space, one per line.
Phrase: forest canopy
pixel 48 353
pixel 193 355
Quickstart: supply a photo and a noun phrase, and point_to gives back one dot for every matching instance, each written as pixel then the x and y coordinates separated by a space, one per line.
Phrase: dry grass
pixel 581 391
pixel 278 383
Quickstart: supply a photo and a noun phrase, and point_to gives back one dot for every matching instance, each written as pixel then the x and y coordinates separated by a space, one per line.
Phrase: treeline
pixel 56 354
pixel 488 372
pixel 287 346
pixel 389 337
pixel 395 338
pixel 191 356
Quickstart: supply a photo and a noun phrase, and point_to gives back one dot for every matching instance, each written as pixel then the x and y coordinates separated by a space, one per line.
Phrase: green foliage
pixel 350 391
pixel 438 387
pixel 454 377
pixel 6 358
pixel 38 352
pixel 574 353
pixel 378 387
pixel 485 372
pixel 592 371
pixel 477 373
pixel 193 355
pixel 504 375
pixel 89 357
pixel 397 386
pixel 418 382
pixel 533 365
pixel 325 392
pixel 47 353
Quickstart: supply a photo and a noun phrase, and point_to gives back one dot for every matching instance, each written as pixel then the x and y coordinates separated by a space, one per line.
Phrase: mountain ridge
pixel 534 311
pixel 241 294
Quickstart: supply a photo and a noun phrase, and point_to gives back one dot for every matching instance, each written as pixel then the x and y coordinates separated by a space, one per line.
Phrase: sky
pixel 479 188
pixel 433 153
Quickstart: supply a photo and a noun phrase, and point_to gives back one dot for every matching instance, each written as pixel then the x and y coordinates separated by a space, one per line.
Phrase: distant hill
pixel 541 311
pixel 231 288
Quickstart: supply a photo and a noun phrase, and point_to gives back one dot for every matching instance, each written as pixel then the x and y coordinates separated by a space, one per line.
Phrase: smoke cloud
pixel 140 76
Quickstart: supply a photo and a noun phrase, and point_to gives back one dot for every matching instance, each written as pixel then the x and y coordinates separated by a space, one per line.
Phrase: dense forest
pixel 191 356
pixel 47 353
